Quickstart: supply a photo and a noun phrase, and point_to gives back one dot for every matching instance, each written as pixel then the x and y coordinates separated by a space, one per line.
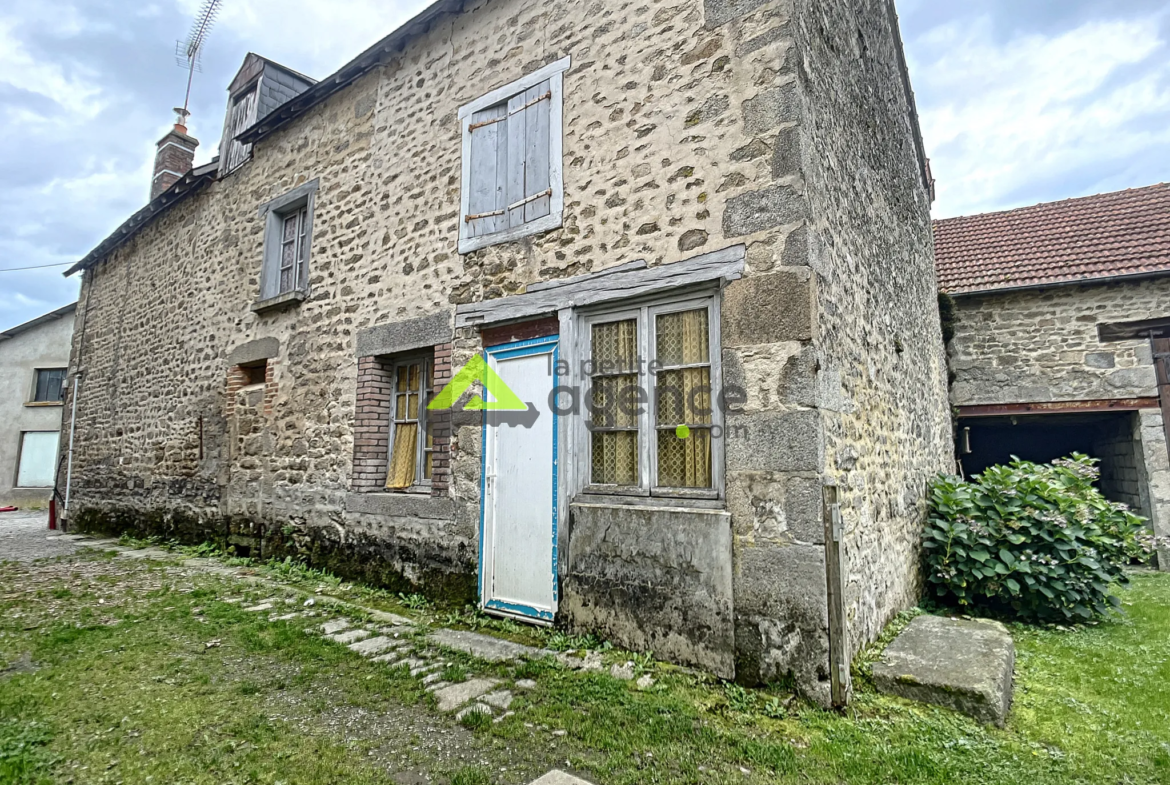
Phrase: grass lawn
pixel 122 670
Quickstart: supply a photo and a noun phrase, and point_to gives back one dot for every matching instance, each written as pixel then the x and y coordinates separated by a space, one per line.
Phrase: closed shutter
pixel 529 183
pixel 486 211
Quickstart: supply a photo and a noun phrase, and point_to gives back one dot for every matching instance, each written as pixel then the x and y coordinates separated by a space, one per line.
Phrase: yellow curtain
pixel 402 459
pixel 615 453
pixel 684 398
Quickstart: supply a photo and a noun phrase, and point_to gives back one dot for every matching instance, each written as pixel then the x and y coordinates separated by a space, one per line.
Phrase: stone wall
pixel 683 134
pixel 1042 345
pixel 881 365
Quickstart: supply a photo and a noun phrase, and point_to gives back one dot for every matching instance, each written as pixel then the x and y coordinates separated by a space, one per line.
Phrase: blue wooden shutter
pixel 487 203
pixel 529 179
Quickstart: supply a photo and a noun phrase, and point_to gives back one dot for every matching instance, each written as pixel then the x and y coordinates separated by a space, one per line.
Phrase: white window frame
pixel 554 74
pixel 426 393
pixel 646 312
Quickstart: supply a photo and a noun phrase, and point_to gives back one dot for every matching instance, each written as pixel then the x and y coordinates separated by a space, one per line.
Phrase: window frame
pixel 646 312
pixel 60 400
pixel 554 74
pixel 421 484
pixel 299 201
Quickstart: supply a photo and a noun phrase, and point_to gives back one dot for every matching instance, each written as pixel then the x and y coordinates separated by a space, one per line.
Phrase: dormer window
pixel 260 87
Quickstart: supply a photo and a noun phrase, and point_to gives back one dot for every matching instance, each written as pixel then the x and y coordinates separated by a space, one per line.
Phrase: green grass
pixel 112 679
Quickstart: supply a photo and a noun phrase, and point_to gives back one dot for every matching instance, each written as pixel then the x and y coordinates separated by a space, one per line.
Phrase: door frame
pixel 526 613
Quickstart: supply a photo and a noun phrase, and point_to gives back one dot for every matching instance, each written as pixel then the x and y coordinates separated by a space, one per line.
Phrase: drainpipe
pixel 72 430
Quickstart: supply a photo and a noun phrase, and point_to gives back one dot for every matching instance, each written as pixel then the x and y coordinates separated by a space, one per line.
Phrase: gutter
pixel 1062 284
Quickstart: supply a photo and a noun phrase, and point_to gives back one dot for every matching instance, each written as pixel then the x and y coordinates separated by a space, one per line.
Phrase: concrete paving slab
pixel 484 647
pixel 335 626
pixel 501 699
pixel 264 606
pixel 964 665
pixel 349 636
pixel 372 646
pixel 558 777
pixel 451 698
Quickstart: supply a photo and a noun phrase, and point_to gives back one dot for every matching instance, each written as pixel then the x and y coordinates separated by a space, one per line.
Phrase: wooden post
pixel 840 680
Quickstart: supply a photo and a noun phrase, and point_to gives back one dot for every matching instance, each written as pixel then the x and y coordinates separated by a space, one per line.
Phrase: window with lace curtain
pixel 411 440
pixel 653 376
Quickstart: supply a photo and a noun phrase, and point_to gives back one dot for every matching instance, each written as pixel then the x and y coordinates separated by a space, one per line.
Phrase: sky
pixel 1020 101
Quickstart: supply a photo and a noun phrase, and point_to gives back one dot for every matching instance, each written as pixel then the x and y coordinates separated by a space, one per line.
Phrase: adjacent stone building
pixel 33 361
pixel 1062 316
pixel 684 247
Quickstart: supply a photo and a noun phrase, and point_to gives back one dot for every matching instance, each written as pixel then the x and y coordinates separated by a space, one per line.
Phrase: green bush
pixel 1036 541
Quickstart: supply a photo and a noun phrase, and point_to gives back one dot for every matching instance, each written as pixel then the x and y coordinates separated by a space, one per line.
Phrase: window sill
pixel 539 226
pixel 401 505
pixel 663 502
pixel 279 302
pixel 44 403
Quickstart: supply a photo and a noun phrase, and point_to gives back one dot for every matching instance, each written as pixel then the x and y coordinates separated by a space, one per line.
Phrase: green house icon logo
pixel 478 371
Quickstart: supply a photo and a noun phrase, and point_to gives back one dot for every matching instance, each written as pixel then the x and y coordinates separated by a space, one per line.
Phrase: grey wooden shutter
pixel 529 178
pixel 487 201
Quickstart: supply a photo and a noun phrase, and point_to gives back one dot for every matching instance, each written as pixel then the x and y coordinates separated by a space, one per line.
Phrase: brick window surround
pixel 239 377
pixel 371 445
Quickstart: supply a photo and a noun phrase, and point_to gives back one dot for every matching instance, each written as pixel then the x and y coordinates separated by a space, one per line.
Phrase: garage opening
pixel 1111 437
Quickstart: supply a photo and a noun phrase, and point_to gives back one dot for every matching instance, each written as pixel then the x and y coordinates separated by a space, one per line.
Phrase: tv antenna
pixel 189 53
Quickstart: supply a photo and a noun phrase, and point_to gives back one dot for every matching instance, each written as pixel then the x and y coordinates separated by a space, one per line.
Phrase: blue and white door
pixel 518 573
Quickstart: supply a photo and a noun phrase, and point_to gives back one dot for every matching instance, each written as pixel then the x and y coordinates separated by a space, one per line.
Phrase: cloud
pixel 1036 116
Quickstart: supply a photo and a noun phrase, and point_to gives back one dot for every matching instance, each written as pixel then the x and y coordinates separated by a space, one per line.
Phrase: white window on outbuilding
pixel 513 183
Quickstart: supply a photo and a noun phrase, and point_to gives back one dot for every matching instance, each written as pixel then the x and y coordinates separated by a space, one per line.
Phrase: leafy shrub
pixel 1037 541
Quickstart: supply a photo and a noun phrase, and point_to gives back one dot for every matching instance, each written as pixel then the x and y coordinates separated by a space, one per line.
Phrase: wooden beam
pixel 1059 407
pixel 840 679
pixel 628 281
pixel 1129 331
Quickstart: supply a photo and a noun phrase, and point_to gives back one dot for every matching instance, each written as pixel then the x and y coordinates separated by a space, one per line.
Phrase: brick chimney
pixel 176 154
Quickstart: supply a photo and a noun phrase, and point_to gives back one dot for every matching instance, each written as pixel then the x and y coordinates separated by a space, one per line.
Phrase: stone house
pixel 33 362
pixel 692 240
pixel 1062 339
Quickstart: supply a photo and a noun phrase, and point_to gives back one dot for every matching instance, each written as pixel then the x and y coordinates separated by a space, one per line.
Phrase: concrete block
pixel 654 579
pixel 254 351
pixel 756 211
pixel 775 442
pixel 770 308
pixel 961 665
pixel 397 337
pixel 401 505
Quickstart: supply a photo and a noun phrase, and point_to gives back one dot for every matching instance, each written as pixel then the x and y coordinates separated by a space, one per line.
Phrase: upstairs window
pixel 50 385
pixel 513 183
pixel 288 238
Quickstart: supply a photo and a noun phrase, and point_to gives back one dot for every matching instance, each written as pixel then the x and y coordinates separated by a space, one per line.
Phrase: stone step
pixel 451 698
pixel 558 777
pixel 964 665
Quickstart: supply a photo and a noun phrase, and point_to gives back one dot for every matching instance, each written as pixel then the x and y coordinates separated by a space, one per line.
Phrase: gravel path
pixel 25 536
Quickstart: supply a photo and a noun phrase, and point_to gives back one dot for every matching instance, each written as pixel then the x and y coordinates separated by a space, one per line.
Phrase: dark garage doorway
pixel 1111 437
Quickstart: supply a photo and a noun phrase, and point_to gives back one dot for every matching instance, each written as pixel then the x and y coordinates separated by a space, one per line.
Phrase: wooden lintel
pixel 1060 407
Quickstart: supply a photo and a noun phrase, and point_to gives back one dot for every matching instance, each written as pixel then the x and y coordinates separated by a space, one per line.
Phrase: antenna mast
pixel 189 54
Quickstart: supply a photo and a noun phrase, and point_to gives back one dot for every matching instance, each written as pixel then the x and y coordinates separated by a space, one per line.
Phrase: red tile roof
pixel 1104 236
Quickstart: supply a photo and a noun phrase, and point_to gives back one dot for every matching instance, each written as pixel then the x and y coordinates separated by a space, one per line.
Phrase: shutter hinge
pixel 547 96
pixel 482 123
pixel 477 216
pixel 532 198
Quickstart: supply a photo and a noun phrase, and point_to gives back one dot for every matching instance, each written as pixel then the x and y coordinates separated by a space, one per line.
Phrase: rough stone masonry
pixel 690 126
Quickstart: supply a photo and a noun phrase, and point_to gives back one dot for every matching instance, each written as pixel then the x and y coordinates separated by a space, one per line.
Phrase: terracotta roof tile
pixel 1103 236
